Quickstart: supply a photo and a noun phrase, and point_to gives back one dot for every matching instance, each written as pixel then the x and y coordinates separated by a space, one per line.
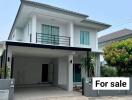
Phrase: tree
pixel 87 63
pixel 119 54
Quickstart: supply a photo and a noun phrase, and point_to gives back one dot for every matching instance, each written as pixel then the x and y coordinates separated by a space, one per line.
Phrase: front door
pixel 76 73
pixel 45 73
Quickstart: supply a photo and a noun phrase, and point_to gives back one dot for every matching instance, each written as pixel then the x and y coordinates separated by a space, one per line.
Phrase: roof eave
pixel 36 4
pixel 96 22
pixel 103 25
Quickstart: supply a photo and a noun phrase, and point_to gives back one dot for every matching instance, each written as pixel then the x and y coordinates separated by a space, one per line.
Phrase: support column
pixel 97 67
pixel 9 63
pixel 70 73
pixel 33 35
pixel 71 33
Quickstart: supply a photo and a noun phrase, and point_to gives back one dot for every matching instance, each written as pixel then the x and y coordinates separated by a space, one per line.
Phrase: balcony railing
pixel 52 39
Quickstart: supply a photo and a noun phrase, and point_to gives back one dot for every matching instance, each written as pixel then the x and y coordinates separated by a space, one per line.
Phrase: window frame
pixel 52 32
pixel 83 39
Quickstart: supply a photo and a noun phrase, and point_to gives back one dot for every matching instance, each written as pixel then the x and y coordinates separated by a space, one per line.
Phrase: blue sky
pixel 115 12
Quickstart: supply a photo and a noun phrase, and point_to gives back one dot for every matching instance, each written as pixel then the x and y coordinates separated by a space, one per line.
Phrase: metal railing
pixel 52 39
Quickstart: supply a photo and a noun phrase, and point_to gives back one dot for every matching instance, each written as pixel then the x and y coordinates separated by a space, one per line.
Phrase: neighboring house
pixel 113 37
pixel 46 44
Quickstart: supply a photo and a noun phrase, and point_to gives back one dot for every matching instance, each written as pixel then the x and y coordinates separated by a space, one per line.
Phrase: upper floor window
pixel 50 34
pixel 51 30
pixel 84 37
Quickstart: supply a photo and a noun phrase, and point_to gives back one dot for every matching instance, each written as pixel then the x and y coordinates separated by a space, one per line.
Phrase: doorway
pixel 44 73
pixel 76 73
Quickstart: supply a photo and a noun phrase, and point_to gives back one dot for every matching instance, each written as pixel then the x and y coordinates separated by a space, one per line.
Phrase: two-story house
pixel 46 43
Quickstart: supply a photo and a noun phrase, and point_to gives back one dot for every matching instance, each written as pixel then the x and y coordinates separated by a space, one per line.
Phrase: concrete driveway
pixel 36 92
pixel 111 98
pixel 54 93
pixel 85 98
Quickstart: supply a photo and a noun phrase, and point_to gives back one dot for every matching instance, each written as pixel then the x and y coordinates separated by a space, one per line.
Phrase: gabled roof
pixel 84 17
pixel 115 35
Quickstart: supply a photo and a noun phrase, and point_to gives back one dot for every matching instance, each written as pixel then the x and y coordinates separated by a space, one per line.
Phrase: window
pixel 84 37
pixel 51 34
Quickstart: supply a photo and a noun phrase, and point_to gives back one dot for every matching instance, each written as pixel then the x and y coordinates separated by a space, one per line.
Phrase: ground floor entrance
pixel 44 73
pixel 77 73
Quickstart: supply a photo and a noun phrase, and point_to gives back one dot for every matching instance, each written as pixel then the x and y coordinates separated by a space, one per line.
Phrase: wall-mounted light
pixel 71 61
pixel 8 59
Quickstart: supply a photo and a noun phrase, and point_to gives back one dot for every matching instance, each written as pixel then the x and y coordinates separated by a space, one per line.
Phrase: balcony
pixel 52 39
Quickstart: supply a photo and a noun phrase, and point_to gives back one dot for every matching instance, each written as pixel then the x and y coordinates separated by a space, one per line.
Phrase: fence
pixel 6 89
pixel 88 91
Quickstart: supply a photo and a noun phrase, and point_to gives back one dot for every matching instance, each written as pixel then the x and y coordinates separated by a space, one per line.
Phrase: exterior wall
pixel 62 72
pixel 92 34
pixel 27 70
pixel 22 34
pixel 17 35
pixel 55 69
pixel 27 31
pixel 64 30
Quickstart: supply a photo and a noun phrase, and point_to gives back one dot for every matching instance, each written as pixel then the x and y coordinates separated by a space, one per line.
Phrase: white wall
pixel 76 60
pixel 50 73
pixel 62 72
pixel 55 69
pixel 28 70
pixel 93 37
pixel 17 35
pixel 27 31
pixel 22 34
pixel 64 30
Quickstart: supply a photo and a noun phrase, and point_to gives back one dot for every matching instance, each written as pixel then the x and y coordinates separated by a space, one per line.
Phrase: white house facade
pixel 46 44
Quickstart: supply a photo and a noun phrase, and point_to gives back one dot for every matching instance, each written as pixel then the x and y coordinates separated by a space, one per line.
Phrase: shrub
pixel 107 71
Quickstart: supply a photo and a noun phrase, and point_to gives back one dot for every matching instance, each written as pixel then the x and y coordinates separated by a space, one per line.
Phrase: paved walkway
pixel 112 98
pixel 64 98
pixel 84 98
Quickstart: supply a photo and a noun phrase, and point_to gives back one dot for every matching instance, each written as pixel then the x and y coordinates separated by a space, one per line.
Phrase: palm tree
pixel 87 64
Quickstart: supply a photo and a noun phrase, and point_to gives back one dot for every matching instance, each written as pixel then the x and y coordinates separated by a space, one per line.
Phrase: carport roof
pixel 35 45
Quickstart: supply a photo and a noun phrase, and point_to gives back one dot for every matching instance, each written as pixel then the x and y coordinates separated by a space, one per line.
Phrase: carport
pixel 35 64
pixel 26 62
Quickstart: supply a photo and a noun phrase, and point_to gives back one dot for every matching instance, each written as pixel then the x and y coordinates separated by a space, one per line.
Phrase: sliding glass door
pixel 50 34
